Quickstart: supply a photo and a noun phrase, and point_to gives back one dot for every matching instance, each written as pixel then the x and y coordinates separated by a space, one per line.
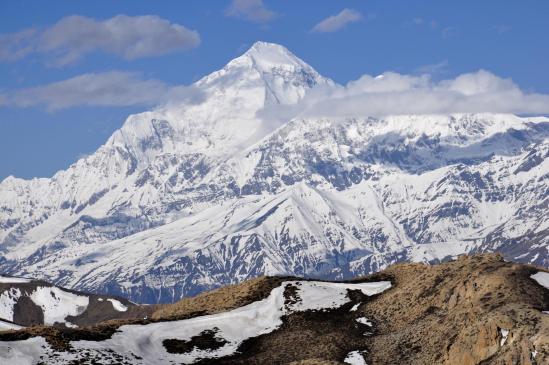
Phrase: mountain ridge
pixel 213 194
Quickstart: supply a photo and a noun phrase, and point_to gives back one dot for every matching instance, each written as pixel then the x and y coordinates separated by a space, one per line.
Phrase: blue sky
pixel 189 39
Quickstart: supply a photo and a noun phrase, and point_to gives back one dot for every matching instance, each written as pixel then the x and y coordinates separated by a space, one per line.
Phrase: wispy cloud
pixel 114 88
pixel 419 22
pixel 433 68
pixel 336 22
pixel 14 46
pixel 75 36
pixel 251 10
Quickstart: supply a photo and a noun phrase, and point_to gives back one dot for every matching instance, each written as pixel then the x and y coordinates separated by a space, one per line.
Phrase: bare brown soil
pixel 220 300
pixel 207 340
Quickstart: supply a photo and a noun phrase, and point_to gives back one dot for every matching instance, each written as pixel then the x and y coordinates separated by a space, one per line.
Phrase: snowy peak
pixel 242 184
pixel 266 57
pixel 285 77
pixel 227 117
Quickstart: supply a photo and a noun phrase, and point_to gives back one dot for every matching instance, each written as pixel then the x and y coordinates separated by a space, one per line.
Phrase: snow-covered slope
pixel 192 196
pixel 147 344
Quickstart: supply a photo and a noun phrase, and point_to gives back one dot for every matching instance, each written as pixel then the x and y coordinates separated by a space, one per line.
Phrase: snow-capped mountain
pixel 191 196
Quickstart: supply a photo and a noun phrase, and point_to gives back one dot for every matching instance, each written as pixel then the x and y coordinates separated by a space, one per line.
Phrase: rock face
pixel 476 310
pixel 193 196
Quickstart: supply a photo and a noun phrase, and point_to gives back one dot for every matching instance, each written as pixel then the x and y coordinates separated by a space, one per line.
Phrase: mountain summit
pixel 286 76
pixel 193 195
pixel 227 116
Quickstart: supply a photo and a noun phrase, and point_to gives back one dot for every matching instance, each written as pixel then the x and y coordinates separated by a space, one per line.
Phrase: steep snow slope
pixel 187 197
pixel 181 142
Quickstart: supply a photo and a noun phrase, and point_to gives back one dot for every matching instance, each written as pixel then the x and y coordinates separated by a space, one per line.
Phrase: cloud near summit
pixel 387 94
pixel 392 93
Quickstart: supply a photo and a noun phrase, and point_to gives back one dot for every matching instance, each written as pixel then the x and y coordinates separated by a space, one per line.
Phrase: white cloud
pixel 114 88
pixel 75 36
pixel 336 22
pixel 387 94
pixel 393 93
pixel 252 10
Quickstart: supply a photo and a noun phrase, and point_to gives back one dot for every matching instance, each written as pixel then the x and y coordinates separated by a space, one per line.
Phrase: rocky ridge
pixel 474 310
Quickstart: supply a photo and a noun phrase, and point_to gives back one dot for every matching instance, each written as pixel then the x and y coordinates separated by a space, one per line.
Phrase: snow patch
pixel 27 352
pixel 7 300
pixel 13 280
pixel 117 305
pixel 504 334
pixel 354 358
pixel 365 321
pixel 320 295
pixel 57 304
pixel 355 307
pixel 542 278
pixel 235 326
pixel 5 325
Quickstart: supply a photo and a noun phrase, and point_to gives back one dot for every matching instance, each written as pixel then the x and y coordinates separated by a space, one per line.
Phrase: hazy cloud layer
pixel 252 10
pixel 15 46
pixel 389 93
pixel 113 88
pixel 393 93
pixel 75 36
pixel 336 22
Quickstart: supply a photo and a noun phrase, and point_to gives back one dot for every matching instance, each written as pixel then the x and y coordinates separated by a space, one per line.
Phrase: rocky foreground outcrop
pixel 475 310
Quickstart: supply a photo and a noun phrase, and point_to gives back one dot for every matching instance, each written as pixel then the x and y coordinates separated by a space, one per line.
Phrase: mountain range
pixel 239 183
